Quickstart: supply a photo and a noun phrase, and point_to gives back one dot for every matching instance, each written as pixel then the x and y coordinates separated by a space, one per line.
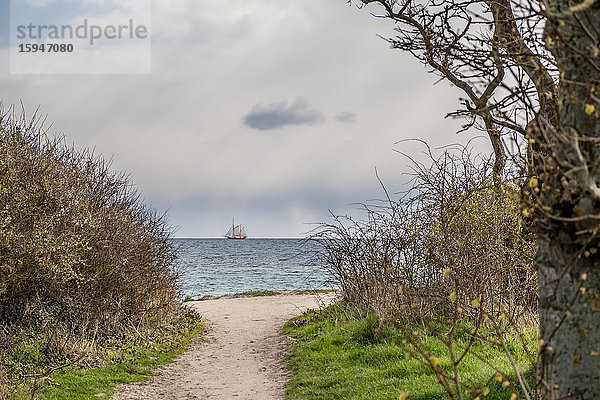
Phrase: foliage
pixel 82 259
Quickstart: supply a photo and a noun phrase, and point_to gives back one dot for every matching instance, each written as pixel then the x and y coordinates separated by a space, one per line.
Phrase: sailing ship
pixel 236 232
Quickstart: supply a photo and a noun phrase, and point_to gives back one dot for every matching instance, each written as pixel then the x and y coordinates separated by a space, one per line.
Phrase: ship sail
pixel 236 232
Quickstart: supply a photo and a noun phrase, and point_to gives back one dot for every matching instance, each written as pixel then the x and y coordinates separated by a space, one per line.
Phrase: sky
pixel 272 112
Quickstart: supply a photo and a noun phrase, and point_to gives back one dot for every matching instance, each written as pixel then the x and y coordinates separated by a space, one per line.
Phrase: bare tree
pixel 492 55
pixel 530 72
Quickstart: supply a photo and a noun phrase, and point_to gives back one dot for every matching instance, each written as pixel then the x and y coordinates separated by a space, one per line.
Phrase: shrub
pixel 81 258
pixel 453 254
pixel 452 232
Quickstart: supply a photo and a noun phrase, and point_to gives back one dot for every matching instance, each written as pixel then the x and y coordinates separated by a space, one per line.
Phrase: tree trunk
pixel 568 258
pixel 570 322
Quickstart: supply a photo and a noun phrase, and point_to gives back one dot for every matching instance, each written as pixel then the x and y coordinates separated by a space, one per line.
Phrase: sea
pixel 225 266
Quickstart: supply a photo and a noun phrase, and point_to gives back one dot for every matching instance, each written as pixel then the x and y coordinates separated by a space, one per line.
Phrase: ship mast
pixel 236 232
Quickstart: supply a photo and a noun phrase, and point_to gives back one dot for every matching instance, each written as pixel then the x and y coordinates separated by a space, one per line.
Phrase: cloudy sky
pixel 272 112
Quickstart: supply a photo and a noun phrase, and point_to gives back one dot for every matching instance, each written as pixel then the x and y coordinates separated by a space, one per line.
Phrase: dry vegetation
pixel 453 254
pixel 82 260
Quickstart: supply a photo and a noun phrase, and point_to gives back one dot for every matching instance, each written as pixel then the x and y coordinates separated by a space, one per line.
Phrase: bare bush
pixel 452 254
pixel 452 223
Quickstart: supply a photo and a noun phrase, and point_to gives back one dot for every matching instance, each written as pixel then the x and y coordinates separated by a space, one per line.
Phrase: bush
pixel 80 256
pixel 452 252
pixel 452 239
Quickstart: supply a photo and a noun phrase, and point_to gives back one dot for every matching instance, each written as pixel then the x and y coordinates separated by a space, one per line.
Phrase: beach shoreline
pixel 265 293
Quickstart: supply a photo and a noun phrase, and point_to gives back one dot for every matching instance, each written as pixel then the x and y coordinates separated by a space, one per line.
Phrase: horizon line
pixel 252 237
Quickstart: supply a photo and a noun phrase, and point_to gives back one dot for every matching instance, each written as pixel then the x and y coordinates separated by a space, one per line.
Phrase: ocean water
pixel 222 266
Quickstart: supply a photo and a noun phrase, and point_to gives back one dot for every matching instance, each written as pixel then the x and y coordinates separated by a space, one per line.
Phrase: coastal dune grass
pixel 337 354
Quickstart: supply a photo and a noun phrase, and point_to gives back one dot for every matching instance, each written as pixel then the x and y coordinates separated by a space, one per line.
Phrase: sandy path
pixel 239 357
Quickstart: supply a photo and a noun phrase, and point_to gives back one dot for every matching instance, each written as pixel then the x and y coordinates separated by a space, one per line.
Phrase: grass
pixel 127 360
pixel 338 356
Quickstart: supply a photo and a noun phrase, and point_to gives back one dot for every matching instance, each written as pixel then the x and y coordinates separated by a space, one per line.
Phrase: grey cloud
pixel 278 115
pixel 285 182
pixel 346 117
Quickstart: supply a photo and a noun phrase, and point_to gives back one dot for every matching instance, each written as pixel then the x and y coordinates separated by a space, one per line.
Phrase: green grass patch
pixel 336 355
pixel 121 360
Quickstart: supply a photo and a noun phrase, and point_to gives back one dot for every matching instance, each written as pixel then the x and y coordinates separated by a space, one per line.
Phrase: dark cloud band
pixel 281 114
